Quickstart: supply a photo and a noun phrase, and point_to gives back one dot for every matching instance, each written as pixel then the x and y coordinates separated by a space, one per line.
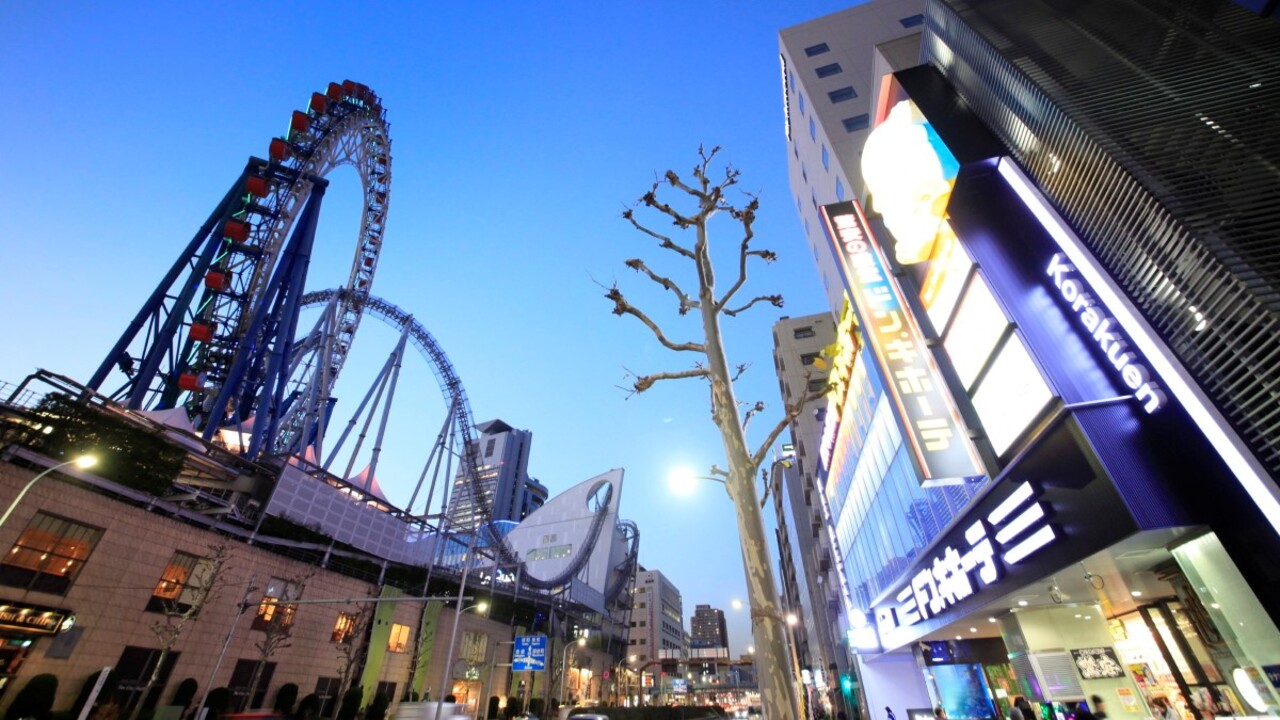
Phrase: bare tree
pixel 708 199
pixel 181 594
pixel 352 648
pixel 275 620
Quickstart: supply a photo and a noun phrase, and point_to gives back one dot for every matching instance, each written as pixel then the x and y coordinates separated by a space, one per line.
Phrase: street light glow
pixel 682 481
pixel 736 604
pixel 792 619
pixel 86 461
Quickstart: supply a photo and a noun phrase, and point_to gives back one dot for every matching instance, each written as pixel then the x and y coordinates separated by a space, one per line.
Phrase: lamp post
pixel 84 461
pixel 564 666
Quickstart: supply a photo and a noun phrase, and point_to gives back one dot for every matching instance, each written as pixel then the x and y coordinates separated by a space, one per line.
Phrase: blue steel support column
pixel 251 352
pixel 154 305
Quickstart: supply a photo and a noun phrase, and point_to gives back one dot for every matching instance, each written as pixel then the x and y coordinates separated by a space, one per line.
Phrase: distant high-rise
pixel 707 628
pixel 657 618
pixel 502 454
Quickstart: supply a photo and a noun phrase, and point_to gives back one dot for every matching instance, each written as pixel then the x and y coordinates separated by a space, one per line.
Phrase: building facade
pixel 502 454
pixel 806 559
pixel 656 643
pixel 1044 481
pixel 707 628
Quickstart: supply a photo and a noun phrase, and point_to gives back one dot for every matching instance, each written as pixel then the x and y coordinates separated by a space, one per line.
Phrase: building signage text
pixel 33 619
pixel 1013 531
pixel 1104 332
pixel 940 446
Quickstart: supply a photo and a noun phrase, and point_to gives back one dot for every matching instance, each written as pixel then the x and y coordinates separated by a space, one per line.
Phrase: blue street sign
pixel 530 653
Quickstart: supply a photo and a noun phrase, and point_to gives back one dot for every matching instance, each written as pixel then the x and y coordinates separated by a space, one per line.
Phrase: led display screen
pixel 977 327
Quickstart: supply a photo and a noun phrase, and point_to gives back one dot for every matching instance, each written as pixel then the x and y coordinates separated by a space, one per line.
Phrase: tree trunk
pixel 777 692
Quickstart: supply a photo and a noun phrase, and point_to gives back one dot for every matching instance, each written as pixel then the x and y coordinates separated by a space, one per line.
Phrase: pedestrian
pixel 1022 703
pixel 1083 712
pixel 1099 711
pixel 1015 713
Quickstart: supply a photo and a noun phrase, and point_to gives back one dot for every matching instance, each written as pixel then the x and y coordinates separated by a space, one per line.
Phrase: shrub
pixel 218 701
pixel 286 696
pixel 108 689
pixel 350 703
pixel 377 709
pixel 35 700
pixel 309 708
pixel 185 693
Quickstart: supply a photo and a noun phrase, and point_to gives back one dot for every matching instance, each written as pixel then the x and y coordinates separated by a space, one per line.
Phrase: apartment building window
pixel 801 333
pixel 839 189
pixel 809 358
pixel 344 628
pixel 183 579
pixel 817 385
pixel 828 70
pixel 398 641
pixel 271 612
pixel 48 554
pixel 912 21
pixel 842 94
pixel 818 49
pixel 826 159
pixel 800 96
pixel 813 130
pixel 856 123
pixel 488 447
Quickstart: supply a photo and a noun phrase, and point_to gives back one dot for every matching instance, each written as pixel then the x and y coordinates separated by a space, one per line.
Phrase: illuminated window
pixel 398 642
pixel 48 554
pixel 842 94
pixel 1012 394
pixel 828 70
pixel 472 647
pixel 345 628
pixel 978 325
pixel 270 611
pixel 818 49
pixel 183 580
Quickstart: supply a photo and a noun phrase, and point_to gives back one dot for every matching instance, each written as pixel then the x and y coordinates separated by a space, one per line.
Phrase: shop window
pixel 271 612
pixel 48 554
pixel 473 647
pixel 134 669
pixel 242 682
pixel 183 581
pixel 328 689
pixel 398 642
pixel 344 628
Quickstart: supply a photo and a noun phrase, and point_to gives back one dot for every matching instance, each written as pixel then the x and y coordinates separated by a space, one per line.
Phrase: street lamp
pixel 445 686
pixel 564 666
pixel 84 461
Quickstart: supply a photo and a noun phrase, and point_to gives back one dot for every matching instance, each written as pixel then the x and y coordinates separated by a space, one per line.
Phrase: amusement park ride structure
pixel 217 341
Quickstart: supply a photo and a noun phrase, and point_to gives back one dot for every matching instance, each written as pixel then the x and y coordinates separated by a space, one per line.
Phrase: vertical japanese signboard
pixel 940 447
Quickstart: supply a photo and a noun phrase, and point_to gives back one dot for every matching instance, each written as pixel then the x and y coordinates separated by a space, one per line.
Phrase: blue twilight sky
pixel 519 133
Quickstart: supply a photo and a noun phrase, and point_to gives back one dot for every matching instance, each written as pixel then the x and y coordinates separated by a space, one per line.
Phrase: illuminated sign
pixel 940 446
pixel 1104 332
pixel 1016 529
pixel 33 619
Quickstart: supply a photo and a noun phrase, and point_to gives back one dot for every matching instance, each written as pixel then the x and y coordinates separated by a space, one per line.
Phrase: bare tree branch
pixel 774 300
pixel 644 382
pixel 793 412
pixel 739 371
pixel 664 242
pixel 686 303
pixel 746 216
pixel 755 409
pixel 622 307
